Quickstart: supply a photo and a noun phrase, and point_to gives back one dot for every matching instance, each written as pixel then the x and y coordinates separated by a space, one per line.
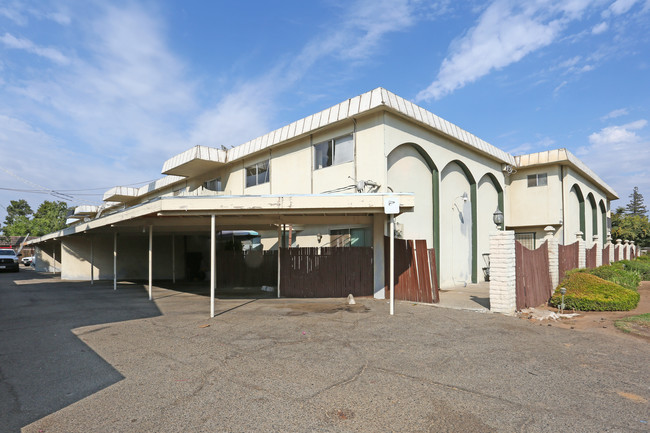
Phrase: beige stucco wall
pixel 534 206
pixel 132 257
pixel 48 257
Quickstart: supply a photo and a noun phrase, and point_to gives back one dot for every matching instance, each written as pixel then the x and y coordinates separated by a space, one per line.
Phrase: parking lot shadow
pixel 44 367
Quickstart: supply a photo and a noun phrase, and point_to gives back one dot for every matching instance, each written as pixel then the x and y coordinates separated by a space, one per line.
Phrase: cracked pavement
pixel 119 363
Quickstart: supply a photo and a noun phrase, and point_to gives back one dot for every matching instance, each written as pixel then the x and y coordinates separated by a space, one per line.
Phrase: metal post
pixel 150 258
pixel 279 251
pixel 92 263
pixel 212 263
pixel 115 261
pixel 173 260
pixel 392 264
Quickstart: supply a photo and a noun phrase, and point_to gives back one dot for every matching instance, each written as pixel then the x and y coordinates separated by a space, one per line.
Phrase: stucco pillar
pixel 503 277
pixel 611 248
pixel 582 253
pixel 379 220
pixel 632 250
pixel 619 248
pixel 626 250
pixel 553 256
pixel 599 250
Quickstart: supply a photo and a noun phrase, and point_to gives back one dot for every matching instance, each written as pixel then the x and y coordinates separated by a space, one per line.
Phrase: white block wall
pixel 503 276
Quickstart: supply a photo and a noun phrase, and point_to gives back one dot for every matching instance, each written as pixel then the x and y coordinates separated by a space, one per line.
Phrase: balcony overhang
pixel 85 211
pixel 195 161
pixel 120 194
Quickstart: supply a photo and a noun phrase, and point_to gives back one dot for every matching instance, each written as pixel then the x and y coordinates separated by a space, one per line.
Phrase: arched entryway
pixel 458 231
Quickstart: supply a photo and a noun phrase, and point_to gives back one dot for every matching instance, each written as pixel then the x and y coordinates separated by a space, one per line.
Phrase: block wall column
pixel 599 250
pixel 582 253
pixel 503 272
pixel 553 256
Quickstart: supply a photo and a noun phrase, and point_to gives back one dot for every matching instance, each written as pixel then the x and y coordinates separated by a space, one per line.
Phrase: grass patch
pixel 586 292
pixel 640 266
pixel 639 324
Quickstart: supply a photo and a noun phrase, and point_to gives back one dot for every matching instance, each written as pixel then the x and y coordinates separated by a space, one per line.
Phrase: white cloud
pixel 505 33
pixel 615 113
pixel 620 155
pixel 53 54
pixel 619 7
pixel 618 137
pixel 600 28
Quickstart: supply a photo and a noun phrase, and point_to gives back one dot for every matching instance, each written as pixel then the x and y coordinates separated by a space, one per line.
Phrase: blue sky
pixel 95 94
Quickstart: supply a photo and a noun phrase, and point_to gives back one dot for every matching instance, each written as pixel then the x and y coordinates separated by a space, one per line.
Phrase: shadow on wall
pixel 44 367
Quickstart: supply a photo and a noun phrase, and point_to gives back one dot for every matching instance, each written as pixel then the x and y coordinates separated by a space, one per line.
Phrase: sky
pixel 95 94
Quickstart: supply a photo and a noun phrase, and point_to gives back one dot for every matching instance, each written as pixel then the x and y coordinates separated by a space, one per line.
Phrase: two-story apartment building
pixel 324 180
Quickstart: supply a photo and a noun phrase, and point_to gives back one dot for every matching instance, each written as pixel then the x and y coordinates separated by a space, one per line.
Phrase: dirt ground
pixel 601 321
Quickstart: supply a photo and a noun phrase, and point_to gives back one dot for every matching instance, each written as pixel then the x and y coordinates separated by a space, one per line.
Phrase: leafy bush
pixel 626 278
pixel 586 292
pixel 640 266
pixel 614 273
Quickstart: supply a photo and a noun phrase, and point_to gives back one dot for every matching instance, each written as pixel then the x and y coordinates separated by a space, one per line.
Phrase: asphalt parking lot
pixel 76 357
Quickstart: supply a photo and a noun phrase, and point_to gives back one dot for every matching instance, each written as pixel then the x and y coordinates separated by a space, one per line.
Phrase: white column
pixel 619 248
pixel 92 263
pixel 379 222
pixel 553 257
pixel 611 248
pixel 503 273
pixel 392 264
pixel 599 250
pixel 279 250
pixel 626 248
pixel 115 261
pixel 173 259
pixel 632 250
pixel 582 253
pixel 150 259
pixel 213 259
pixel 54 258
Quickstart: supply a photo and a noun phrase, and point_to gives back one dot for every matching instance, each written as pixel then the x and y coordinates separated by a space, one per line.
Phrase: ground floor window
pixel 351 237
pixel 526 239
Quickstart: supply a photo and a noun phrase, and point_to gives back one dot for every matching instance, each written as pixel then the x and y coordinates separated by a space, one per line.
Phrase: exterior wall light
pixel 497 218
pixel 319 237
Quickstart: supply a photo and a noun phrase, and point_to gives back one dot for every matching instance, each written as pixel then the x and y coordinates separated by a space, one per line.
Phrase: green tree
pixel 16 209
pixel 49 217
pixel 636 206
pixel 632 227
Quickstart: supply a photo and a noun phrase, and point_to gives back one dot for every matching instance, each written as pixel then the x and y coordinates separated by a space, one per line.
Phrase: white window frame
pixel 539 179
pixel 256 176
pixel 330 146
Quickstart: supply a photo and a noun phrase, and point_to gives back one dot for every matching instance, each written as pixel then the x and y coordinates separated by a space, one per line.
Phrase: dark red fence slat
pixel 533 287
pixel 606 255
pixel 413 270
pixel 249 268
pixel 591 257
pixel 616 254
pixel 568 258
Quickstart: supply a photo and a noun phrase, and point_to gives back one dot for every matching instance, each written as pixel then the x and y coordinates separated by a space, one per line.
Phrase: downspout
pixel 562 174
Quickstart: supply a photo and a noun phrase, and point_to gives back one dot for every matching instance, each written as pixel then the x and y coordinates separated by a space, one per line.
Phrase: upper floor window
pixel 257 174
pixel 333 152
pixel 537 180
pixel 213 185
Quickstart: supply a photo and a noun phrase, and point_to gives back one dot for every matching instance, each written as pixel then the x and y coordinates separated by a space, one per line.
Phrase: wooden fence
pixel 606 255
pixel 534 286
pixel 250 268
pixel 568 258
pixel 326 272
pixel 415 271
pixel 591 257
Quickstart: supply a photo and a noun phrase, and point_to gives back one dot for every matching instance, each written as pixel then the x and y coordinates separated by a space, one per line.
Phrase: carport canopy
pixel 187 214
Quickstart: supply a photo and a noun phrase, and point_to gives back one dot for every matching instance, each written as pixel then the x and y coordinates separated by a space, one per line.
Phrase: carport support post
pixel 173 260
pixel 115 261
pixel 150 258
pixel 392 264
pixel 212 263
pixel 92 263
pixel 279 251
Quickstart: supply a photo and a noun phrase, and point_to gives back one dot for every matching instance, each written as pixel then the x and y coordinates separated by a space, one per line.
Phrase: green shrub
pixel 586 292
pixel 640 266
pixel 626 278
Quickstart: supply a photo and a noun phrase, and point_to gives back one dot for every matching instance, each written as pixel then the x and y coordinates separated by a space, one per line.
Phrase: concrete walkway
pixel 474 297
